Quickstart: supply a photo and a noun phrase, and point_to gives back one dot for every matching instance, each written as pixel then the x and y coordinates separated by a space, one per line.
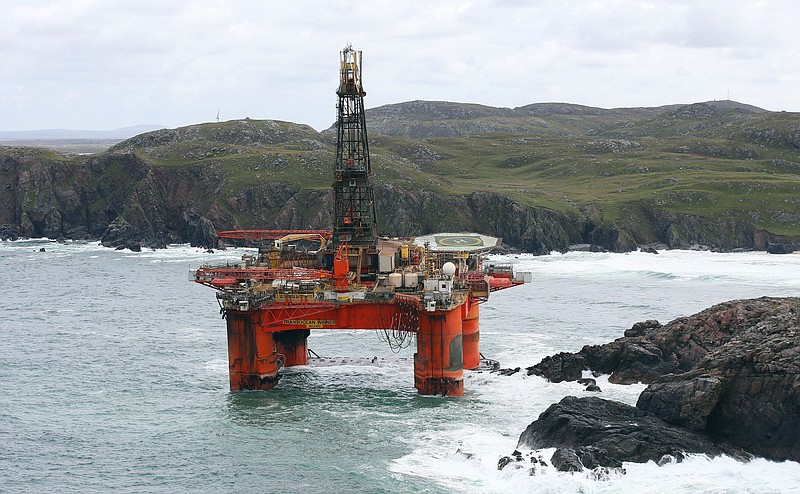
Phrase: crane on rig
pixel 428 287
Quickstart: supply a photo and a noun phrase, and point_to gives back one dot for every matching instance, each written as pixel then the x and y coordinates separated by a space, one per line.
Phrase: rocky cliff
pixel 127 201
pixel 695 188
pixel 120 199
pixel 730 373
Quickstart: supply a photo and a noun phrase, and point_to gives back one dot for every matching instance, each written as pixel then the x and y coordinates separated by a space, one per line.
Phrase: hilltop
pixel 543 176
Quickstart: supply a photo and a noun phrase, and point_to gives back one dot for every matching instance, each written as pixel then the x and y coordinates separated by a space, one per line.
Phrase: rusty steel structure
pixel 354 219
pixel 429 288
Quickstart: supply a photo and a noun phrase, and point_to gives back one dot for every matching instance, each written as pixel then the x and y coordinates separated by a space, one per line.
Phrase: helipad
pixel 462 242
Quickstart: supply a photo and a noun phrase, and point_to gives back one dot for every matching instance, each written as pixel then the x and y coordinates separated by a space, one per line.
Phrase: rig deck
pixel 427 289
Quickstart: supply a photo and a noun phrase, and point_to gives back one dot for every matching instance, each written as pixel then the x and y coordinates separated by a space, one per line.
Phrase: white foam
pixel 575 299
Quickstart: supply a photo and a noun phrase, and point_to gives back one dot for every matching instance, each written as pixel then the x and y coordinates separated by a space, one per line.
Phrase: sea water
pixel 113 378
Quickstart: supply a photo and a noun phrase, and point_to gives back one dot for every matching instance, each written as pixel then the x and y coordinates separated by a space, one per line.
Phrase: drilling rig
pixel 429 288
pixel 354 218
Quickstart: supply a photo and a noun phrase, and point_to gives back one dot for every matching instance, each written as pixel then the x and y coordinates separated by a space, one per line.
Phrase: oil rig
pixel 428 289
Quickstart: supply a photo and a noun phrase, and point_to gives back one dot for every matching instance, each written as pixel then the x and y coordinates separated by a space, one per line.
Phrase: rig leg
pixel 439 363
pixel 471 335
pixel 252 359
pixel 294 345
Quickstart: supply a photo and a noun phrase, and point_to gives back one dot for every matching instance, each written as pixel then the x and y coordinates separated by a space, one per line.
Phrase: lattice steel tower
pixel 354 221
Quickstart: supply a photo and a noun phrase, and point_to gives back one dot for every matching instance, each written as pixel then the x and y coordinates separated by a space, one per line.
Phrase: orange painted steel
pixel 325 315
pixel 273 334
pixel 293 345
pixel 262 341
pixel 471 335
pixel 252 359
pixel 439 361
pixel 500 283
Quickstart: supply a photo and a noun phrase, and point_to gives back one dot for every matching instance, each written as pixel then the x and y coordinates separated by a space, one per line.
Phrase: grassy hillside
pixel 703 159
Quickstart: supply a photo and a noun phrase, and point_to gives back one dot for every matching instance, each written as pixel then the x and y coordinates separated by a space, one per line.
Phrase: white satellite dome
pixel 449 269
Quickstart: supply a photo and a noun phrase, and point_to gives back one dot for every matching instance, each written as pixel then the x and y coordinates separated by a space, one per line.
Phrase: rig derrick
pixel 350 278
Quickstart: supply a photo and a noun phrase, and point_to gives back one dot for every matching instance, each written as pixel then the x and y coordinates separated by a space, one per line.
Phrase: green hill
pixel 723 174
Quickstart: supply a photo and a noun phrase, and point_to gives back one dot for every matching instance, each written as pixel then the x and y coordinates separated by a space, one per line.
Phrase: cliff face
pixel 124 201
pixel 719 175
pixel 49 197
pixel 644 223
pixel 127 202
pixel 117 198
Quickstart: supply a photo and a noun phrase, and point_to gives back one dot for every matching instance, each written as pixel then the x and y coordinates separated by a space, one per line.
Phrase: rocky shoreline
pixel 723 381
pixel 125 201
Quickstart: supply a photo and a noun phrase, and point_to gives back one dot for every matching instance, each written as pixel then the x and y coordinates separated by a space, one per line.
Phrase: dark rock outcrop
pixel 779 248
pixel 592 432
pixel 650 350
pixel 731 371
pixel 746 389
pixel 560 367
pixel 566 460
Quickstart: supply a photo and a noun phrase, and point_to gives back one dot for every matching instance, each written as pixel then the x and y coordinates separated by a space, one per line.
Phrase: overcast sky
pixel 101 65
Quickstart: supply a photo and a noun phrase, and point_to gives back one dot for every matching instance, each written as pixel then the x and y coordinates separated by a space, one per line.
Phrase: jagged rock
pixel 745 389
pixel 594 388
pixel 198 230
pixel 506 460
pixel 682 402
pixel 535 464
pixel 507 372
pixel 593 432
pixel 8 232
pixel 587 381
pixel 119 233
pixel 731 371
pixel 648 250
pixel 592 458
pixel 627 360
pixel 642 327
pixel 560 367
pixel 653 350
pixel 779 248
pixel 566 460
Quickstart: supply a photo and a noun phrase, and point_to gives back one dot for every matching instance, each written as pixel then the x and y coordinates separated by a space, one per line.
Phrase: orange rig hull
pixel 271 305
pixel 262 341
pixel 352 278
